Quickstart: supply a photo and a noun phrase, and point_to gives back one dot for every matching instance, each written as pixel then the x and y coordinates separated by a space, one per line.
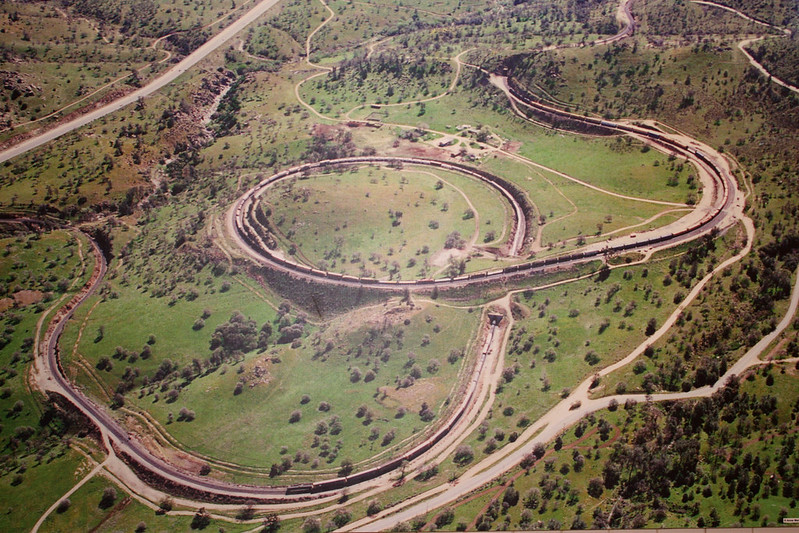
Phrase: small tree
pixel 166 504
pixel 201 519
pixel 595 487
pixel 373 508
pixel 463 454
pixel 346 467
pixel 312 525
pixel 341 517
pixel 511 496
pixel 109 496
pixel 63 505
pixel 271 523
pixel 445 517
pixel 245 513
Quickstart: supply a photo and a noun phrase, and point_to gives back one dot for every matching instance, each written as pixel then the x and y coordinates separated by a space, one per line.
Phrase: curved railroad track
pixel 251 232
pixel 721 206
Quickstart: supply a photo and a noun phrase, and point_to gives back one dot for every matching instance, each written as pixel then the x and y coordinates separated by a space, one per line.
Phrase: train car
pixel 300 488
pixel 297 266
pixel 330 484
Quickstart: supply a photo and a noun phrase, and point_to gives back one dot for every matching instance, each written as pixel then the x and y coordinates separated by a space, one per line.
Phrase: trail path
pixel 66 495
pixel 745 43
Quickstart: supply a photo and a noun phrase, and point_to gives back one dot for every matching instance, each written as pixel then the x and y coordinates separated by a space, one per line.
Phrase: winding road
pixel 720 208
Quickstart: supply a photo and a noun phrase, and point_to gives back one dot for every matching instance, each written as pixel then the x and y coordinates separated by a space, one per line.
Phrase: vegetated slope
pixel 725 461
pixel 36 271
pixel 662 19
pixel 777 12
pixel 780 57
pixel 150 18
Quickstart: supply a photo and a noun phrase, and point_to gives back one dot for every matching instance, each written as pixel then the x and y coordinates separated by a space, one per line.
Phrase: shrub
pixel 463 454
pixel 374 507
pixel 295 417
pixel 312 525
pixel 63 505
pixel 201 519
pixel 108 498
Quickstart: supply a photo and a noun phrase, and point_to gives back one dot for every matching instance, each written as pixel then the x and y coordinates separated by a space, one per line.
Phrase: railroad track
pixel 724 202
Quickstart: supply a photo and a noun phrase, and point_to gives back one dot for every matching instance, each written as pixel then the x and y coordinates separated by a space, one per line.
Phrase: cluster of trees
pixel 389 63
pixel 668 460
pixel 327 145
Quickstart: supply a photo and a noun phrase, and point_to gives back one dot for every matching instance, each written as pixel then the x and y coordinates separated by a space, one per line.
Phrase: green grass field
pixel 396 229
pixel 122 514
pixel 243 427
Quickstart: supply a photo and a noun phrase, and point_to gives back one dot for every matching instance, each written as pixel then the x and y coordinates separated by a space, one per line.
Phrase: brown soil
pixel 28 297
pixel 420 150
pixel 170 454
pixel 410 398
pixel 6 304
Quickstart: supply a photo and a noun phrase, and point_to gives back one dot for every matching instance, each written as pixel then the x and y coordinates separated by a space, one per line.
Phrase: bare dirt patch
pixel 326 130
pixel 442 257
pixel 410 398
pixel 176 457
pixel 375 316
pixel 420 150
pixel 6 304
pixel 28 297
pixel 260 373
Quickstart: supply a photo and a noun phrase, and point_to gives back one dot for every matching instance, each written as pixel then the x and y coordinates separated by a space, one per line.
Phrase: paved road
pixel 168 77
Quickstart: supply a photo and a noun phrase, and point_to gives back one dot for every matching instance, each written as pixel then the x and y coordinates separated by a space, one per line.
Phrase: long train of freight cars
pixel 247 233
pixel 531 100
pixel 523 209
pixel 244 230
